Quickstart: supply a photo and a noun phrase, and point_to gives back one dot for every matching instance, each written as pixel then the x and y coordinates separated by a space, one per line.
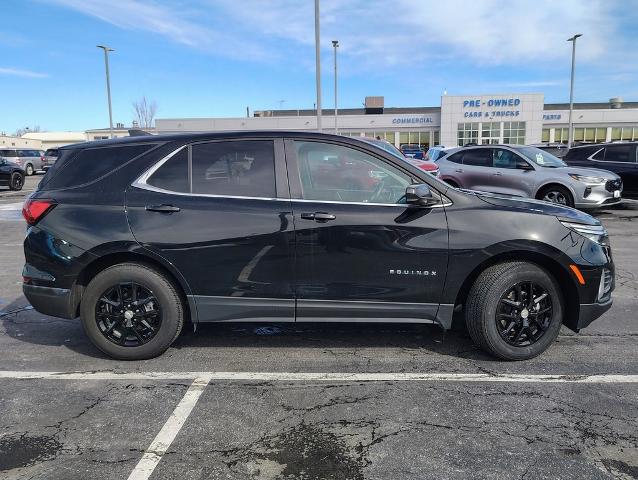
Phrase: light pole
pixel 318 64
pixel 335 44
pixel 570 134
pixel 108 84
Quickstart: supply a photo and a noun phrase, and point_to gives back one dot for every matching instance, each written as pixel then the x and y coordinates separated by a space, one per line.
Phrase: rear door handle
pixel 318 216
pixel 459 170
pixel 498 174
pixel 162 208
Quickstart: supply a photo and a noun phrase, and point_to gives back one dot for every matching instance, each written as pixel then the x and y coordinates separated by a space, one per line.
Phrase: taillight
pixel 34 210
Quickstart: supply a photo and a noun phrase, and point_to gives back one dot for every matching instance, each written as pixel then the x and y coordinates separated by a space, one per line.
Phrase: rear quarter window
pixel 78 167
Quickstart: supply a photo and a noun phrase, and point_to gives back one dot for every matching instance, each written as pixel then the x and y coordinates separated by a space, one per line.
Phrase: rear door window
pixel 173 174
pixel 481 157
pixel 234 168
pixel 455 157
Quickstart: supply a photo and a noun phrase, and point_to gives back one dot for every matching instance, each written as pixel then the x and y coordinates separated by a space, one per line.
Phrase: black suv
pixel 138 235
pixel 620 158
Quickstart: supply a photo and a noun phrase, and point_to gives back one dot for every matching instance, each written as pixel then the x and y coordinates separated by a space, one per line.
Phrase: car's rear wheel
pixel 131 312
pixel 557 194
pixel 28 169
pixel 16 182
pixel 514 310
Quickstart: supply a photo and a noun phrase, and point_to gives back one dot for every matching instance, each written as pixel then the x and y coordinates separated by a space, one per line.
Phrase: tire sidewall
pixel 14 176
pixel 29 168
pixel 171 311
pixel 559 188
pixel 522 273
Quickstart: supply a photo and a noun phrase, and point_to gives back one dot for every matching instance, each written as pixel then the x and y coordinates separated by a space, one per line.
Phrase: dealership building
pixel 517 118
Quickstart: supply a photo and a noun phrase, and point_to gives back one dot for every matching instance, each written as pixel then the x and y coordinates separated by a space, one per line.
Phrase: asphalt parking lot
pixel 317 401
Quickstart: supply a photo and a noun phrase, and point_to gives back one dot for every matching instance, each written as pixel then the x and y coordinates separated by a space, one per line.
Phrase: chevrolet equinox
pixel 137 236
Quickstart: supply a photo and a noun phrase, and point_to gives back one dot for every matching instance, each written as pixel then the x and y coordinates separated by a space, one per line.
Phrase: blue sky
pixel 215 57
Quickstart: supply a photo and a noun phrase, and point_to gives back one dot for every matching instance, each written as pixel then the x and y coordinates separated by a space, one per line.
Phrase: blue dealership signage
pixel 494 103
pixel 412 120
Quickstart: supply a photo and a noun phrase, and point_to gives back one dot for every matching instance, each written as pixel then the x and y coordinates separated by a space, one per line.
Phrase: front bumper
pixel 590 312
pixel 593 196
pixel 55 302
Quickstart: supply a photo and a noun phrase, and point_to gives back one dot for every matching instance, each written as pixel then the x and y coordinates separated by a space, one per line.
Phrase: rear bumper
pixel 55 302
pixel 590 312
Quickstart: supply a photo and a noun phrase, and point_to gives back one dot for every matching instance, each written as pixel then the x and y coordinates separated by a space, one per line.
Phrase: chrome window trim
pixel 142 183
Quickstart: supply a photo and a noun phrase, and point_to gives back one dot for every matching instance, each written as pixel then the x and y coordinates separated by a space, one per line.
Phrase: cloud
pixel 169 20
pixel 18 72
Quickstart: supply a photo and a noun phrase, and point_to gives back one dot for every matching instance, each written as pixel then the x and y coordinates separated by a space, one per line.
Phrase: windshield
pixel 541 158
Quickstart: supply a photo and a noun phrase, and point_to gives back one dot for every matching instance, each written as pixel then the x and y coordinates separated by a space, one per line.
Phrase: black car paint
pixel 258 259
pixel 581 156
pixel 7 168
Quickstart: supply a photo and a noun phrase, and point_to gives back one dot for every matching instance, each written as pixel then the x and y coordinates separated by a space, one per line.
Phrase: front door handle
pixel 318 216
pixel 162 208
pixel 459 170
pixel 498 174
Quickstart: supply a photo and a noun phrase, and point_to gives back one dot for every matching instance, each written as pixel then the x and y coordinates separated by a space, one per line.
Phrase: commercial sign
pixel 412 120
pixel 492 108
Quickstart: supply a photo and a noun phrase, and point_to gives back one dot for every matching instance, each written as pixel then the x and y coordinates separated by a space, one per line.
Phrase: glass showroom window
pixel 601 135
pixel 467 133
pixel 490 133
pixel 436 140
pixel 514 133
pixel 545 137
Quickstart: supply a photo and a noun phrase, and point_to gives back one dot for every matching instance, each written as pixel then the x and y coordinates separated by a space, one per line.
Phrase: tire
pixel 485 300
pixel 16 182
pixel 167 303
pixel 28 169
pixel 556 194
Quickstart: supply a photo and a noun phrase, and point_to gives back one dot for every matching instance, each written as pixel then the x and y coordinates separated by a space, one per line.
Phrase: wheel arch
pixel 114 258
pixel 560 274
pixel 554 183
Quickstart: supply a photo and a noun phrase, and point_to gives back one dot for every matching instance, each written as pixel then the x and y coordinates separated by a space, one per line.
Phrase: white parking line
pixel 327 377
pixel 169 431
pixel 11 206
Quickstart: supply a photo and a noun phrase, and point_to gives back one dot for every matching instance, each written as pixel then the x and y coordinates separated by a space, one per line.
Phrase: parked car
pixel 620 158
pixel 557 149
pixel 412 150
pixel 425 165
pixel 135 238
pixel 434 153
pixel 29 159
pixel 11 175
pixel 50 156
pixel 525 171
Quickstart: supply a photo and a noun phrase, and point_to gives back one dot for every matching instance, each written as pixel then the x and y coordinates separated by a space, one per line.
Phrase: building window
pixel 490 133
pixel 467 133
pixel 601 135
pixel 514 133
pixel 417 138
pixel 545 137
pixel 436 137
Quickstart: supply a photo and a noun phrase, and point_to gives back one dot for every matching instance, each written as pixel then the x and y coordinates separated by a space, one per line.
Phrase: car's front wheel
pixel 514 310
pixel 556 194
pixel 16 181
pixel 131 312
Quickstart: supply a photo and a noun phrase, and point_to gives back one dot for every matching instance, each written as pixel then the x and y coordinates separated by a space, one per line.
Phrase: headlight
pixel 587 180
pixel 596 233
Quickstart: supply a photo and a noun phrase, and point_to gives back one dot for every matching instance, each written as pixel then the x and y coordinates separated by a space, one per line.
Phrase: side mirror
pixel 523 165
pixel 420 194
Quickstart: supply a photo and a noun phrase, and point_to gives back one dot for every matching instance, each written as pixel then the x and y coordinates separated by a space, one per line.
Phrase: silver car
pixel 29 159
pixel 526 171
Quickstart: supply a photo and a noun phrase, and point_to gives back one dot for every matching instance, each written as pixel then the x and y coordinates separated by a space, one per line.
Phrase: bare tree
pixel 145 112
pixel 21 131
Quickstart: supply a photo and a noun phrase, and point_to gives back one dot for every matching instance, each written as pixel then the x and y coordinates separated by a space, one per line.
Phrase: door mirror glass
pixel 420 194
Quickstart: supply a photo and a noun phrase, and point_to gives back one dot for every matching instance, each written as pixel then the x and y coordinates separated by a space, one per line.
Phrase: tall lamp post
pixel 335 44
pixel 108 84
pixel 570 137
pixel 318 64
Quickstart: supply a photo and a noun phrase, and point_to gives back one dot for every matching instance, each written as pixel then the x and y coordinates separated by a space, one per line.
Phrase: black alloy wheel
pixel 17 181
pixel 128 314
pixel 524 314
